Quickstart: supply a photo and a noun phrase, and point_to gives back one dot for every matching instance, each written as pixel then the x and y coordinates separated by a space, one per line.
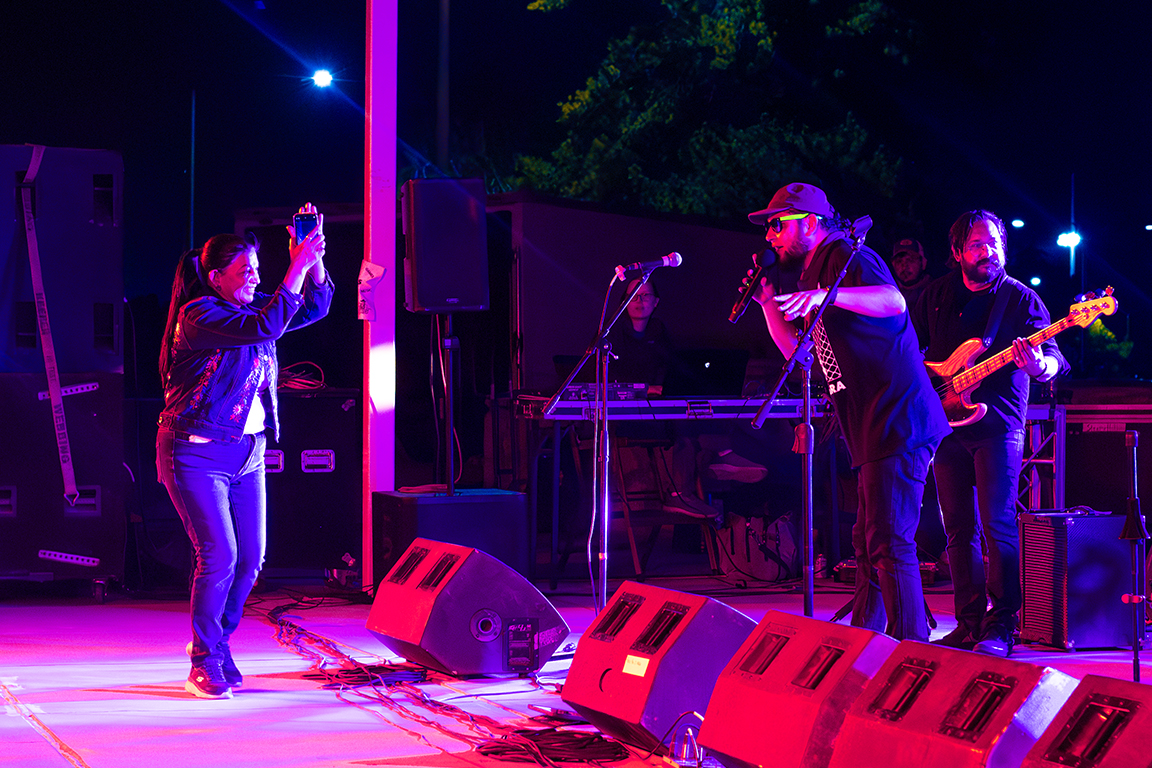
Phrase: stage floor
pixel 102 685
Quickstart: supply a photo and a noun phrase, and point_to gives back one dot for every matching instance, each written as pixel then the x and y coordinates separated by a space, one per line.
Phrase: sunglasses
pixel 777 223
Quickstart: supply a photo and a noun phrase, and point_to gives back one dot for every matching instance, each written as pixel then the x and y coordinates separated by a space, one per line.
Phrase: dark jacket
pixel 222 352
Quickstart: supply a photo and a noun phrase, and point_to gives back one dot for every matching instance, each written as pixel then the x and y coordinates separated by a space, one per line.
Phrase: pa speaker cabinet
pixel 650 656
pixel 486 518
pixel 934 706
pixel 313 478
pixel 799 674
pixel 42 536
pixel 1107 723
pixel 445 245
pixel 461 611
pixel 1075 571
pixel 76 199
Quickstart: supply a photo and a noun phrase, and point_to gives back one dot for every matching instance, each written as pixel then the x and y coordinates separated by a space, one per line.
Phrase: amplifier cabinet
pixel 1075 570
pixel 1098 469
pixel 313 478
pixel 42 536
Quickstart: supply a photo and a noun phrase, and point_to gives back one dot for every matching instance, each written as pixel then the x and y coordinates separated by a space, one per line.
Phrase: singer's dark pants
pixel 977 482
pixel 889 592
pixel 218 491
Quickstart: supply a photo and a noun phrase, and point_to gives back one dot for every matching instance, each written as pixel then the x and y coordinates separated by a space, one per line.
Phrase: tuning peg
pixel 1108 291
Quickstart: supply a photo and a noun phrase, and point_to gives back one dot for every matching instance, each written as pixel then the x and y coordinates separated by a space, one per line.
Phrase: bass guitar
pixel 956 377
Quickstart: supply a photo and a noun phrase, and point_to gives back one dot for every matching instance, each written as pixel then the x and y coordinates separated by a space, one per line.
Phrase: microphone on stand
pixel 765 260
pixel 671 260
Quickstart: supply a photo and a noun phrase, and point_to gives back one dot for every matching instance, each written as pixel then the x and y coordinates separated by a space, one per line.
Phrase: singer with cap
pixel 891 419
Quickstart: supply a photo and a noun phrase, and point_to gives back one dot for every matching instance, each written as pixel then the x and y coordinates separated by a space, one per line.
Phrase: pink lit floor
pixel 85 684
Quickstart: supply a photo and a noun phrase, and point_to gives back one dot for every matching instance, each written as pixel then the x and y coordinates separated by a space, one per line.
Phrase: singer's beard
pixel 792 255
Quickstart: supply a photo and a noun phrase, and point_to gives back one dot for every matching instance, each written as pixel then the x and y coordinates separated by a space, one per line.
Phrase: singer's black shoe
pixel 730 465
pixel 206 681
pixel 228 668
pixel 685 504
pixel 957 638
pixel 996 641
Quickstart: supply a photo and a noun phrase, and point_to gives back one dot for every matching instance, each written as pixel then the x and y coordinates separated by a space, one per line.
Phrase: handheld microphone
pixel 765 260
pixel 671 260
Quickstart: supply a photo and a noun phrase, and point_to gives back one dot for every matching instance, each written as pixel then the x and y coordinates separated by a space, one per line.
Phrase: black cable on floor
pixel 549 746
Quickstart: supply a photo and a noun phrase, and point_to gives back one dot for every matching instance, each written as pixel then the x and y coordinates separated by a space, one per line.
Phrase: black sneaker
pixel 228 667
pixel 207 682
pixel 957 638
pixel 997 641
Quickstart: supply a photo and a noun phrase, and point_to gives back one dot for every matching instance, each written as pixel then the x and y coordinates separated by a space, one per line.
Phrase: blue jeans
pixel 889 591
pixel 218 490
pixel 977 483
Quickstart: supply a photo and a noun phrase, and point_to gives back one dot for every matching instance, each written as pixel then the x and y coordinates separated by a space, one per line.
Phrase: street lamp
pixel 1070 240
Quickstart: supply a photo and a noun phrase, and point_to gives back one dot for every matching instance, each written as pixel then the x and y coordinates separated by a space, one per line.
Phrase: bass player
pixel 984 452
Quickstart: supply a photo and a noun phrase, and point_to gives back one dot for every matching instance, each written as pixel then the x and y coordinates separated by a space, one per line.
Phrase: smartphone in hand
pixel 304 223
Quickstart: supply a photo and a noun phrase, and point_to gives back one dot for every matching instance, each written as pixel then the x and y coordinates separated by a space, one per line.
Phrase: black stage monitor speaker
pixel 801 676
pixel 461 611
pixel 1106 724
pixel 1075 571
pixel 934 706
pixel 445 245
pixel 651 656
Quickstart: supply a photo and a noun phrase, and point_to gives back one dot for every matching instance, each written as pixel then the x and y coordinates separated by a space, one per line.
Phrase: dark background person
pixel 984 455
pixel 910 268
pixel 891 419
pixel 218 367
pixel 640 341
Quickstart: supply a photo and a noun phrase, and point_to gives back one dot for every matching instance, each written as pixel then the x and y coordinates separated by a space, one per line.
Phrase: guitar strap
pixel 997 312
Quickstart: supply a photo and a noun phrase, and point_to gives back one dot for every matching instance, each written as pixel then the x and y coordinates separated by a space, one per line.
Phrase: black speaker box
pixel 934 706
pixel 486 518
pixel 313 477
pixel 76 199
pixel 1106 724
pixel 1075 570
pixel 42 536
pixel 461 611
pixel 651 656
pixel 445 245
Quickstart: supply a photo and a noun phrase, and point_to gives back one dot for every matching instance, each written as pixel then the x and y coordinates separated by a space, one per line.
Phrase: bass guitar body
pixel 958 405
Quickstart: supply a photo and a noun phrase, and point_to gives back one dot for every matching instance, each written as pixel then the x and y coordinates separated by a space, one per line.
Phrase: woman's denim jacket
pixel 222 352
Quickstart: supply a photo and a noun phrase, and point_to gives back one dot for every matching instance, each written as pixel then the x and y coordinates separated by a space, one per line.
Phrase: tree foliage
pixel 720 102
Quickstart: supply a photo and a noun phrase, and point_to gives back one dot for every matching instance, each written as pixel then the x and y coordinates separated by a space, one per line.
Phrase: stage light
pixel 1035 281
pixel 1070 240
pixel 1148 227
pixel 1017 223
pixel 322 78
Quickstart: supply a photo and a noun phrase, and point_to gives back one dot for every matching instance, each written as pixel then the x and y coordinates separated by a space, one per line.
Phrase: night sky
pixel 998 110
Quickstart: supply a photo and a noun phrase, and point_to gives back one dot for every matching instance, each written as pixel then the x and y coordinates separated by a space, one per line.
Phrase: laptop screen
pixel 707 373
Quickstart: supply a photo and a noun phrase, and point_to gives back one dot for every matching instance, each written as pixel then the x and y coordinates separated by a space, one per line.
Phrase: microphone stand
pixel 805 443
pixel 1135 532
pixel 601 349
